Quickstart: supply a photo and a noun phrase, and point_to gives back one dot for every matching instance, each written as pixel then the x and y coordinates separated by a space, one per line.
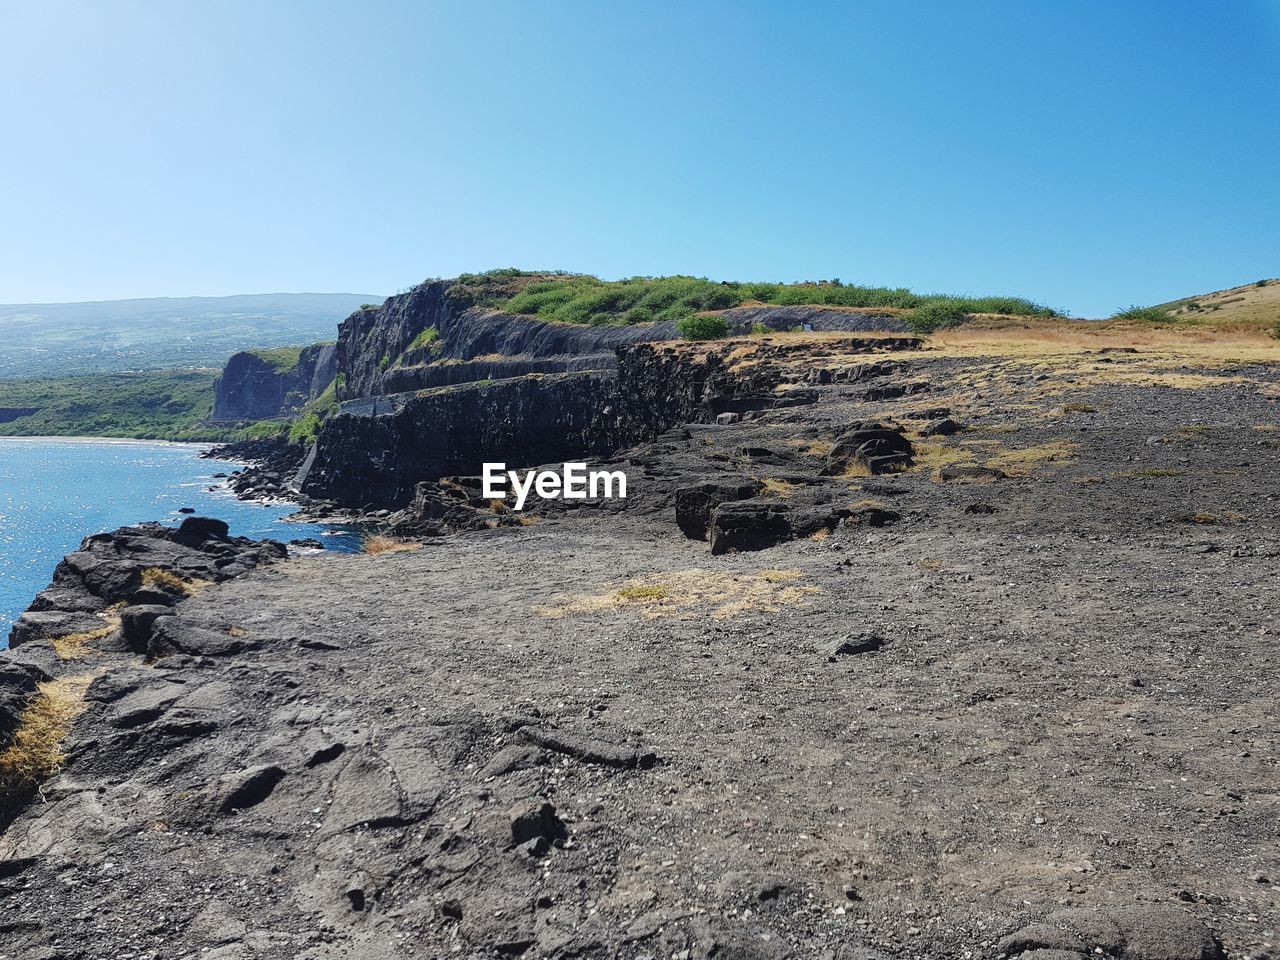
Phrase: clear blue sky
pixel 1085 154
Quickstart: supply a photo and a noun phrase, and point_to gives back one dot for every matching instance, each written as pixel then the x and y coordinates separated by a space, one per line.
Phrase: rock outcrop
pixel 112 593
pixel 255 386
pixel 376 449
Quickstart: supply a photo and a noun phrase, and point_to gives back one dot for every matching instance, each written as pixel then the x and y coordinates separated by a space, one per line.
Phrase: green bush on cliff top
pixel 702 327
pixel 576 298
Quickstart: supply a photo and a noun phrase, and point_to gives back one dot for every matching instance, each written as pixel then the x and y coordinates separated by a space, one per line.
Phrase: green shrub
pixel 935 315
pixel 582 299
pixel 429 335
pixel 701 327
pixel 1137 314
pixel 759 330
pixel 368 306
pixel 1262 283
pixel 305 429
pixel 262 429
pixel 384 362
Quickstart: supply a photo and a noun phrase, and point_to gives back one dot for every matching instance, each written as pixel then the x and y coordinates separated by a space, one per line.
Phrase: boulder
pixel 945 427
pixel 695 503
pixel 880 448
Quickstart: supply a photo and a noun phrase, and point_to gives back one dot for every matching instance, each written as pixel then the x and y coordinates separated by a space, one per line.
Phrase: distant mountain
pixel 60 339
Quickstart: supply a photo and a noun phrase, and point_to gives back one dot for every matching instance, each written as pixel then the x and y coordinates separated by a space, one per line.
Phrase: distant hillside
pixel 61 339
pixel 1254 304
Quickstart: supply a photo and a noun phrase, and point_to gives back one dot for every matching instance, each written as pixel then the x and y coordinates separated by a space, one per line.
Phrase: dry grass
pixel 931 564
pixel 1229 516
pixel 778 488
pixel 932 457
pixel 1026 459
pixel 856 470
pixel 1051 341
pixel 36 750
pixel 381 543
pixel 1144 474
pixel 157 577
pixel 1079 408
pixel 73 645
pixel 498 506
pixel 692 592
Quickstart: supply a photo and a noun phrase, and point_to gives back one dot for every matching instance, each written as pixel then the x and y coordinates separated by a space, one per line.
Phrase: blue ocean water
pixel 56 492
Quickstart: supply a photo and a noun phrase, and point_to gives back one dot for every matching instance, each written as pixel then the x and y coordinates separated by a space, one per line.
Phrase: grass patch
pixel 425 338
pixel 73 645
pixel 692 592
pixel 281 359
pixel 1023 460
pixel 381 543
pixel 778 488
pixel 1206 518
pixel 161 579
pixel 643 592
pixel 1144 474
pixel 932 457
pixel 36 750
pixel 1079 408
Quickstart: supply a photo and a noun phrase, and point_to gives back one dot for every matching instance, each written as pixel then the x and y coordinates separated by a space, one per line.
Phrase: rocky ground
pixel 1027 710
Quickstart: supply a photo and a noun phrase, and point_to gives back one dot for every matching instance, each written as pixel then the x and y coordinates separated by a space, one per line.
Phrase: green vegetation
pixel 702 327
pixel 282 359
pixel 935 315
pixel 262 429
pixel 159 405
pixel 759 330
pixel 1137 314
pixel 306 425
pixel 575 298
pixel 427 336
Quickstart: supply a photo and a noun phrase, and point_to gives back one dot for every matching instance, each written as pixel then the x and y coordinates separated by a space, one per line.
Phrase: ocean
pixel 54 492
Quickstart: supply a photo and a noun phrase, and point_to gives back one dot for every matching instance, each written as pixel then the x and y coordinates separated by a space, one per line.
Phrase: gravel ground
pixel 483 748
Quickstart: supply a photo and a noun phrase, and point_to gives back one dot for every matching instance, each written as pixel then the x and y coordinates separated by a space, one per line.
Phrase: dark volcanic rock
pixel 945 427
pixel 251 388
pixel 880 448
pixel 760 524
pixel 695 503
pixel 18 682
pixel 114 567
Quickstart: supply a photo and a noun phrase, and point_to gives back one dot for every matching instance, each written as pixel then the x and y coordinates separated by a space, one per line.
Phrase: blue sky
pixel 1085 154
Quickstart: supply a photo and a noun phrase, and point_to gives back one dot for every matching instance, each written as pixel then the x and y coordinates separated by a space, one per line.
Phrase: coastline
pixel 113 440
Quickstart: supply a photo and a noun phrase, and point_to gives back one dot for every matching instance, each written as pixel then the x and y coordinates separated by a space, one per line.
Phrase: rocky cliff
pixel 266 384
pixel 376 449
pixel 410 341
pixel 433 386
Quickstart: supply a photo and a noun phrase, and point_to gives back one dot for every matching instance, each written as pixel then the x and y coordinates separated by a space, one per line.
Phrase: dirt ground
pixel 590 737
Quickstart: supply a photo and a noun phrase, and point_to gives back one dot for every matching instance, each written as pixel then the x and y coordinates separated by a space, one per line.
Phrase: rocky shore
pixel 914 653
